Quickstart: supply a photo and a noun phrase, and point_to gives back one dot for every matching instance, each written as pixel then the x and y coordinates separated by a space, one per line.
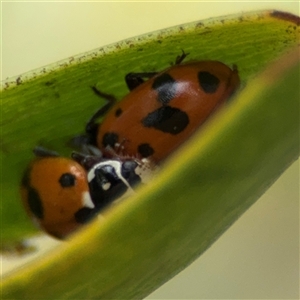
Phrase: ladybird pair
pixel 160 113
pixel 61 194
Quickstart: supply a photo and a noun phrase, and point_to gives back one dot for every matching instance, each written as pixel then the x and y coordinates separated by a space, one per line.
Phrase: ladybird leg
pixel 93 150
pixel 43 152
pixel 133 80
pixel 84 141
pixel 91 125
pixel 179 59
pixel 83 144
pixel 86 161
pixel 80 142
pixel 120 148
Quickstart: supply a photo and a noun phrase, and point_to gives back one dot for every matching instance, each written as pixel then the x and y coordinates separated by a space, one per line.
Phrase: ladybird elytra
pixel 158 115
pixel 53 190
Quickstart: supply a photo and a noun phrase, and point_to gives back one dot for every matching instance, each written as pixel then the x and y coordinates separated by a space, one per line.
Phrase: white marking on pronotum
pixel 87 201
pixel 115 164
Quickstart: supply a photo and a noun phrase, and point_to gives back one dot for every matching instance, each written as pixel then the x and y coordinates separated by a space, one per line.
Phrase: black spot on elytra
pixel 167 119
pixel 208 82
pixel 67 180
pixel 35 203
pixel 166 87
pixel 110 139
pixel 145 150
pixel 118 112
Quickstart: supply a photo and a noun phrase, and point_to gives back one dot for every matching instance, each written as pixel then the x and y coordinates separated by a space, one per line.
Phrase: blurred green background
pixel 249 260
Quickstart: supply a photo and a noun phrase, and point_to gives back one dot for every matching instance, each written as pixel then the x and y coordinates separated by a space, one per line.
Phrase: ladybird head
pixel 114 179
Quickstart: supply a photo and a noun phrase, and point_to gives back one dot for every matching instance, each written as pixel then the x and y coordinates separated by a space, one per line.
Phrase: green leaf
pixel 203 188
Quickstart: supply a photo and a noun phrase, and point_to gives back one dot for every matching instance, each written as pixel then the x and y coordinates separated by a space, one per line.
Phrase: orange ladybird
pixel 159 114
pixel 55 193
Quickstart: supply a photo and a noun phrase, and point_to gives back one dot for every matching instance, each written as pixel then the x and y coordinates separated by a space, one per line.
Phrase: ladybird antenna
pixel 40 151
